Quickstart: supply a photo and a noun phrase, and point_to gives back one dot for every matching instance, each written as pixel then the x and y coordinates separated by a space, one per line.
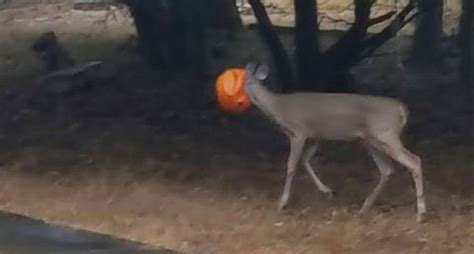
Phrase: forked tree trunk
pixel 329 70
pixel 343 55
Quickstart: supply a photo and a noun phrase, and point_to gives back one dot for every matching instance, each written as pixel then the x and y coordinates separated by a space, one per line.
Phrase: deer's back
pixel 336 116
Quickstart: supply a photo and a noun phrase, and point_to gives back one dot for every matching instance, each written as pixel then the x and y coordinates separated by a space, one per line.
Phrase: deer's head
pixel 255 73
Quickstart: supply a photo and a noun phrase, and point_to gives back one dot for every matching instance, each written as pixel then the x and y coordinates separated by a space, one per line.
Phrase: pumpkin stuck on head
pixel 230 91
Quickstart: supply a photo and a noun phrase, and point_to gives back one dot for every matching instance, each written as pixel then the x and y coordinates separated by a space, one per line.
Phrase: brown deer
pixel 308 118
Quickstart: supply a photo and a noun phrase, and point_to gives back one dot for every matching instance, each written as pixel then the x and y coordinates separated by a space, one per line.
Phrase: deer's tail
pixel 404 113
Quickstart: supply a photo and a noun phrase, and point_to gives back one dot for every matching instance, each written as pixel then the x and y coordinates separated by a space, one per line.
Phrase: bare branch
pixel 371 44
pixel 410 19
pixel 381 18
pixel 349 45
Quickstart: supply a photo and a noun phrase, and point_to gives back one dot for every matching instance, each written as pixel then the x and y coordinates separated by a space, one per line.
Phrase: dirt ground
pixel 144 158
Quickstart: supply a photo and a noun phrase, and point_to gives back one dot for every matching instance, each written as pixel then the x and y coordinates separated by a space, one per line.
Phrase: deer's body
pixel 308 118
pixel 340 116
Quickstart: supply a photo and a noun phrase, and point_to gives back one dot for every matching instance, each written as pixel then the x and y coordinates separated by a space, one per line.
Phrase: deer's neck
pixel 263 98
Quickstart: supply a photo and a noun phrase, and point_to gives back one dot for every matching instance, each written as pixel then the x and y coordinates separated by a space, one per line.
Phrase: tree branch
pixel 270 37
pixel 349 45
pixel 371 44
pixel 410 19
pixel 381 18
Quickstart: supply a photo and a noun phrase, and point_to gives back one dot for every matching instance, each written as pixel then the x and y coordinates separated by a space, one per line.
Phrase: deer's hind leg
pixel 386 170
pixel 394 148
pixel 413 163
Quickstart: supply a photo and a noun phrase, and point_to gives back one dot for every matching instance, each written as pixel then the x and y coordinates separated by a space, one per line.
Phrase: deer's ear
pixel 262 72
pixel 251 67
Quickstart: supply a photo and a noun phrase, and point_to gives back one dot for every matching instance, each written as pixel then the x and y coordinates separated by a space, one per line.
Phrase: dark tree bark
pixel 172 33
pixel 225 15
pixel 349 45
pixel 152 23
pixel 466 43
pixel 271 38
pixel 426 49
pixel 189 22
pixel 342 55
pixel 307 52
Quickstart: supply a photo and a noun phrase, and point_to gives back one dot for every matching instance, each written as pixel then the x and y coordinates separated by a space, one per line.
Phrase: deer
pixel 307 118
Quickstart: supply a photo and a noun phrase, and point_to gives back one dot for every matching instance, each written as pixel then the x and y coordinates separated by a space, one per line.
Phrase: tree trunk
pixel 307 52
pixel 466 42
pixel 187 37
pixel 341 57
pixel 426 50
pixel 225 15
pixel 172 33
pixel 152 25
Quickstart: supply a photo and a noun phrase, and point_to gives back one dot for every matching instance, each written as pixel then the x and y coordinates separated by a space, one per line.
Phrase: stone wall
pixel 24 3
pixel 451 5
pixel 11 4
pixel 339 14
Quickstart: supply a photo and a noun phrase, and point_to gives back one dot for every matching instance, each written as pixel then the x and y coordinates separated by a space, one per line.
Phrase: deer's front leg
pixel 296 149
pixel 310 153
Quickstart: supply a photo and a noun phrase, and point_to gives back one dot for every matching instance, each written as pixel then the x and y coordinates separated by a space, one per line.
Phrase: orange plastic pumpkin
pixel 230 91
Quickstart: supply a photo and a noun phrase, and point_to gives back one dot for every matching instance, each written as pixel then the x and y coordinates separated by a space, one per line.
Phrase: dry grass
pixel 133 160
pixel 201 220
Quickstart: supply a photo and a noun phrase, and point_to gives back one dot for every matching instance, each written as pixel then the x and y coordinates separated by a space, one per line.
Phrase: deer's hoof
pixel 331 194
pixel 421 218
pixel 282 205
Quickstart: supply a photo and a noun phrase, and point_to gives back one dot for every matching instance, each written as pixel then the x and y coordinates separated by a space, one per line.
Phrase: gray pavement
pixel 21 235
